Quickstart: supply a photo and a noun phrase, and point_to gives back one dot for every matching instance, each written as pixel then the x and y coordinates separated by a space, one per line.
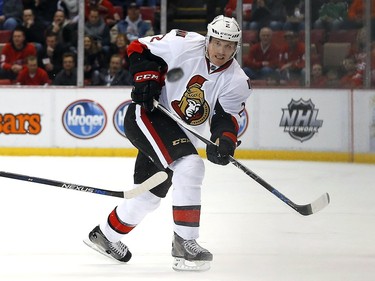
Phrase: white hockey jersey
pixel 194 96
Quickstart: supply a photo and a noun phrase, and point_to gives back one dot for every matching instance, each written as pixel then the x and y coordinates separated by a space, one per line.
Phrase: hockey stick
pixel 305 210
pixel 153 181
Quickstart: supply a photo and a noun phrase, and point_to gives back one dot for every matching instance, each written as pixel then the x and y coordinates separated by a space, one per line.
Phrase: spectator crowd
pixel 42 49
pixel 274 46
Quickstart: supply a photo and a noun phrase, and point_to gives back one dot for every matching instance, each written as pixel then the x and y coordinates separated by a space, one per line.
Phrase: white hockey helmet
pixel 224 28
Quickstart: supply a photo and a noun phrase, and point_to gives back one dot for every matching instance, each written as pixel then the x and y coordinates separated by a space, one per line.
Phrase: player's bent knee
pixel 191 168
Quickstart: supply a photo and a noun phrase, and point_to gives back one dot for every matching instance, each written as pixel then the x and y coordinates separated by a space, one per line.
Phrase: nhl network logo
pixel 300 120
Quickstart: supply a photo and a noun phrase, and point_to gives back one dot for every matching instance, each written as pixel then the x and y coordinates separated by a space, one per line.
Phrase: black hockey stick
pixel 305 210
pixel 153 181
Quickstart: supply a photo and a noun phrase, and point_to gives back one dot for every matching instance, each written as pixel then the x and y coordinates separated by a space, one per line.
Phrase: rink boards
pixel 327 125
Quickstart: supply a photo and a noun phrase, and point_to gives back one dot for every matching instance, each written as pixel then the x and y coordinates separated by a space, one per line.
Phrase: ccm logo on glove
pixel 147 76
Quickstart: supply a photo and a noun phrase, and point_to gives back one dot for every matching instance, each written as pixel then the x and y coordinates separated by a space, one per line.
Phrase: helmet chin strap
pixel 207 42
pixel 235 52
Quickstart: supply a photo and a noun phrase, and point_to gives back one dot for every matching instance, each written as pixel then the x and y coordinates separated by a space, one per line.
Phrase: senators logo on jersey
pixel 192 107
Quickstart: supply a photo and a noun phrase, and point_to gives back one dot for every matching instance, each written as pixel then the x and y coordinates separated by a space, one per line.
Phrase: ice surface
pixel 252 234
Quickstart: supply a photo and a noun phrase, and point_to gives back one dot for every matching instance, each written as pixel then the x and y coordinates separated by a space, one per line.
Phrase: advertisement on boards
pixel 301 120
pixel 25 119
pixel 274 119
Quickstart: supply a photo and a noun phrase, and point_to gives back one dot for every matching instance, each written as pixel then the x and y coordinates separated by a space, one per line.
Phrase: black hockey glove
pixel 219 154
pixel 147 86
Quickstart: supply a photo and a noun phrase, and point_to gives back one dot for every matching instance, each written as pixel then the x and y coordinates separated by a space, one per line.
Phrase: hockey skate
pixel 189 256
pixel 118 250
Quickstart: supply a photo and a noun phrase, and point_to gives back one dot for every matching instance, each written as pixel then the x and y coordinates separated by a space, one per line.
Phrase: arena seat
pixel 334 53
pixel 148 13
pixel 5 82
pixel 342 36
pixel 317 38
pixel 249 36
pixel 5 36
pixel 119 10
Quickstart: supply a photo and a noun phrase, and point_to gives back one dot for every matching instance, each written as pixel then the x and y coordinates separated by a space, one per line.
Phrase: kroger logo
pixel 84 119
pixel 243 123
pixel 118 117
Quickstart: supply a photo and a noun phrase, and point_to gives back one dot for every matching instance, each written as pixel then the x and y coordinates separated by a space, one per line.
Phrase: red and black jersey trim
pixel 118 225
pixel 157 138
pixel 187 215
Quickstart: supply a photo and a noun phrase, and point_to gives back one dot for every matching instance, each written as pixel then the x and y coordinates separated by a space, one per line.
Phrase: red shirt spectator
pixel 352 78
pixel 32 74
pixel 292 57
pixel 259 56
pixel 263 56
pixel 14 53
pixel 11 56
pixel 351 81
pixel 292 54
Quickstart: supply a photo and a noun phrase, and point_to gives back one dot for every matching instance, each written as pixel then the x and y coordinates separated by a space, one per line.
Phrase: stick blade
pixel 148 184
pixel 315 206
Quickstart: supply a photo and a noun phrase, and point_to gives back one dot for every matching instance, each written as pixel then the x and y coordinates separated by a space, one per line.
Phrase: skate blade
pixel 180 264
pixel 100 250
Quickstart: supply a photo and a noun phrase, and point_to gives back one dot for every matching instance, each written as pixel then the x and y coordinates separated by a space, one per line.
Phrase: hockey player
pixel 212 91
